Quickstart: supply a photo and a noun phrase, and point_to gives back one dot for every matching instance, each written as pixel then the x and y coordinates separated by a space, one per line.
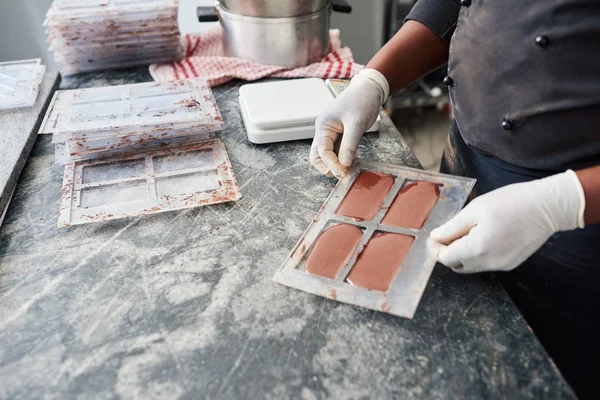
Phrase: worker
pixel 524 81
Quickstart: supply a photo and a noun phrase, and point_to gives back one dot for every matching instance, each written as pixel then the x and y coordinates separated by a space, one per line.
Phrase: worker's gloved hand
pixel 348 116
pixel 501 229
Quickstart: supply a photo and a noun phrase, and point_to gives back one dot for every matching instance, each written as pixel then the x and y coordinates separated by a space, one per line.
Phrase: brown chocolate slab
pixel 332 250
pixel 412 206
pixel 366 195
pixel 380 261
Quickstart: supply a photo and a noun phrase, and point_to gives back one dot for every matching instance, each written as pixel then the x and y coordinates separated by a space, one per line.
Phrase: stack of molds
pixel 138 149
pixel 20 83
pixel 99 122
pixel 91 35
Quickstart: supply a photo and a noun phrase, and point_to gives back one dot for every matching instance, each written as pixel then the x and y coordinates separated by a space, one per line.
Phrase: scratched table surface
pixel 181 304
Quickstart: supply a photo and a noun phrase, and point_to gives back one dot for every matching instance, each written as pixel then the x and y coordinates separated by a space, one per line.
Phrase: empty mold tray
pixel 369 244
pixel 19 83
pixel 113 108
pixel 100 122
pixel 64 154
pixel 147 183
pixel 87 9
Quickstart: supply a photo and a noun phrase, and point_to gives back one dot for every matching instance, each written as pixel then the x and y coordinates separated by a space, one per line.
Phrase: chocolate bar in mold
pixel 398 291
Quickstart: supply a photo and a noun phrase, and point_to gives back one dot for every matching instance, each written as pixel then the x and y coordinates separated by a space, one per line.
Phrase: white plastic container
pixel 280 111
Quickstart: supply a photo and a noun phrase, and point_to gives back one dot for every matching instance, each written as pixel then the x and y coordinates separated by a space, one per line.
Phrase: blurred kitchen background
pixel 420 112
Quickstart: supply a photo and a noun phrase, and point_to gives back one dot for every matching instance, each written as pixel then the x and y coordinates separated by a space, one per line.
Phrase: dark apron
pixel 558 288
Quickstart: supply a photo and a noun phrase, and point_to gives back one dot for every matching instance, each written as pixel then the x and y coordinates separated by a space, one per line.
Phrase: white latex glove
pixel 501 229
pixel 349 115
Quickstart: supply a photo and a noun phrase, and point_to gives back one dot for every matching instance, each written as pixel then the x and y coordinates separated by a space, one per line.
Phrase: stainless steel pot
pixel 286 41
pixel 290 41
pixel 274 8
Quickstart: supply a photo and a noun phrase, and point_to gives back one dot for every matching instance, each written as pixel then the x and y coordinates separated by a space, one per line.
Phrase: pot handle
pixel 341 6
pixel 207 14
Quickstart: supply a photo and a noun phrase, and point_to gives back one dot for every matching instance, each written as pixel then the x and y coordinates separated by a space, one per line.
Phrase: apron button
pixel 507 125
pixel 542 40
pixel 448 81
pixel 465 3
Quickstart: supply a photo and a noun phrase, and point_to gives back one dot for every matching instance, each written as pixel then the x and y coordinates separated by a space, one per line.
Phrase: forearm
pixel 413 52
pixel 590 180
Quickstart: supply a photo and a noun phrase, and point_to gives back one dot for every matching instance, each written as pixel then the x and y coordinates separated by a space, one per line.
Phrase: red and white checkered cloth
pixel 204 56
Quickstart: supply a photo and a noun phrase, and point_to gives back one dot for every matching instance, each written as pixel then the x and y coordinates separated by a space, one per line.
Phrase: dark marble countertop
pixel 18 132
pixel 181 304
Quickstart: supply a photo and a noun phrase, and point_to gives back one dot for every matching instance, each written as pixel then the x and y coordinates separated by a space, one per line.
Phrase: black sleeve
pixel 438 15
